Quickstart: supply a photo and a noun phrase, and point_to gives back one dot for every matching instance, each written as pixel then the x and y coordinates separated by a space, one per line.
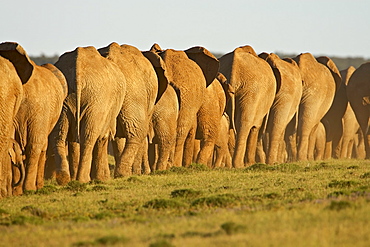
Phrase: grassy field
pixel 301 204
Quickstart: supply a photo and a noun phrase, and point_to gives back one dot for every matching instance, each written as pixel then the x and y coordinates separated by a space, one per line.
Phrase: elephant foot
pixel 63 178
pixel 29 187
pixel 17 191
pixel 119 173
pixel 40 184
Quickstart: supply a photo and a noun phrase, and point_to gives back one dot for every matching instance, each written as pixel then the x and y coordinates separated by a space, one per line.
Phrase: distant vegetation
pixel 341 62
pixel 42 59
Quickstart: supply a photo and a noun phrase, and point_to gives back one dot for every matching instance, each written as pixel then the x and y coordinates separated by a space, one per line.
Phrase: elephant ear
pixel 291 61
pixel 19 58
pixel 161 71
pixel 206 61
pixel 264 55
pixel 155 48
pixel 248 49
pixel 333 69
pixel 271 59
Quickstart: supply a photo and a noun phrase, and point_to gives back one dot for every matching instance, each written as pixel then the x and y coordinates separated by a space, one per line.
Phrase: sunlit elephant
pixel 11 93
pixel 254 83
pixel 142 91
pixel 190 72
pixel 351 146
pixel 318 92
pixel 317 142
pixel 285 105
pixel 209 121
pixel 162 131
pixel 96 90
pixel 210 116
pixel 44 91
pixel 222 156
pixel 333 118
pixel 358 94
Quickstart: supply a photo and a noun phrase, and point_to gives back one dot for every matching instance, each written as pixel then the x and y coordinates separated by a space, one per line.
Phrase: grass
pixel 298 204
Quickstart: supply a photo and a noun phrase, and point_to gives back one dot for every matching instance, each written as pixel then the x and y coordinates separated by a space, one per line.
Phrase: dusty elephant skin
pixel 352 143
pixel 162 130
pixel 11 93
pixel 255 87
pixel 358 93
pixel 96 90
pixel 319 88
pixel 44 91
pixel 190 72
pixel 285 105
pixel 209 118
pixel 142 91
pixel 332 120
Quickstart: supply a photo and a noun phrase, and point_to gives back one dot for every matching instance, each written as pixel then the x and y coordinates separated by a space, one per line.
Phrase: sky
pixel 322 27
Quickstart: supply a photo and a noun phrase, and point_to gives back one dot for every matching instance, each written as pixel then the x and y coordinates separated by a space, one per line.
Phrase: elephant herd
pixel 161 108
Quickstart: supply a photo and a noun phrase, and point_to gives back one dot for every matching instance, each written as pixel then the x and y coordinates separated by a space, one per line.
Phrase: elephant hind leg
pixel 100 167
pixel 127 158
pixel 41 170
pixel 252 146
pixel 33 154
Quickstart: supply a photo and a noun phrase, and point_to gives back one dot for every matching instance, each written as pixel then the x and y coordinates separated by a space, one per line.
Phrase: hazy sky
pixel 322 27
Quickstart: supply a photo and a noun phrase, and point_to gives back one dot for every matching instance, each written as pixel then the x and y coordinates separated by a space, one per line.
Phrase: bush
pixel 185 193
pixel 232 228
pixel 224 200
pixel 163 204
pixel 339 205
pixel 76 186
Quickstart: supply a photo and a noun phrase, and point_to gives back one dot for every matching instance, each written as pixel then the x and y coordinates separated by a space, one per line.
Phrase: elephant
pixel 317 142
pixel 96 90
pixel 222 156
pixel 209 121
pixel 11 93
pixel 190 72
pixel 350 143
pixel 143 90
pixel 285 105
pixel 333 118
pixel 44 91
pixel 209 116
pixel 318 92
pixel 255 86
pixel 358 93
pixel 162 130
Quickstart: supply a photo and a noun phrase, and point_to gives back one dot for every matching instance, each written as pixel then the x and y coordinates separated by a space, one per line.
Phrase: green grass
pixel 298 204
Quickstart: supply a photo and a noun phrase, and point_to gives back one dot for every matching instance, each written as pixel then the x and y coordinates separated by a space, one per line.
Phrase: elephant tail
pixel 232 122
pixel 78 110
